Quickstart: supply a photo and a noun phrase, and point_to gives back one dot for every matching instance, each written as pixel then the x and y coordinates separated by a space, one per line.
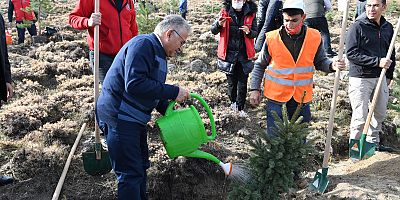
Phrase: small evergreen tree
pixel 145 21
pixel 274 159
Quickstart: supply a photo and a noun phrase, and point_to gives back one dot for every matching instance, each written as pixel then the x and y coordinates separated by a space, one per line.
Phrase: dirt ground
pixel 53 98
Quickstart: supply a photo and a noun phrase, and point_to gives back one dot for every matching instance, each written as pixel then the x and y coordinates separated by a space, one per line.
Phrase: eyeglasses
pixel 183 40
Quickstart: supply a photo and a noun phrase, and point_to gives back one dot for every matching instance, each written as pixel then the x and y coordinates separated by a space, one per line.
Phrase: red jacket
pixel 21 15
pixel 224 37
pixel 116 27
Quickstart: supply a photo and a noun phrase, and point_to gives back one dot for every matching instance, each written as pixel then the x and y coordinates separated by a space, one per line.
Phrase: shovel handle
pixel 381 77
pixel 66 166
pixel 96 77
pixel 206 107
pixel 335 90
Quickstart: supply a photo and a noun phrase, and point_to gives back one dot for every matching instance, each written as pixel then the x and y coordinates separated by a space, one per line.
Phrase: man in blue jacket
pixel 132 88
pixel 367 44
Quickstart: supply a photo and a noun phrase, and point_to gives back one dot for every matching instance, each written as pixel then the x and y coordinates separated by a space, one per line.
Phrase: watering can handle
pixel 206 107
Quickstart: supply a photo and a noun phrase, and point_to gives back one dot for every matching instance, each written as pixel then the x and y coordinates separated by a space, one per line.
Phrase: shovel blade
pixel 95 166
pixel 361 149
pixel 368 150
pixel 320 181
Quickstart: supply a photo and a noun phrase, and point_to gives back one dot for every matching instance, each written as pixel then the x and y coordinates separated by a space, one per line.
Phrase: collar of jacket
pixel 364 19
pixel 247 9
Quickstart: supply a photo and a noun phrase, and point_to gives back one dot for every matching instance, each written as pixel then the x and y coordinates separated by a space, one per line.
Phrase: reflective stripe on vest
pixel 289 82
pixel 285 78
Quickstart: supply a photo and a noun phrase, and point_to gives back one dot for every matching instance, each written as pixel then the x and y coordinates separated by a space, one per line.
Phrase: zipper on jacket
pixel 120 28
pixel 119 18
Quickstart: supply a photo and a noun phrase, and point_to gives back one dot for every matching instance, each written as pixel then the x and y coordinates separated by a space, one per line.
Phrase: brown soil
pixel 53 86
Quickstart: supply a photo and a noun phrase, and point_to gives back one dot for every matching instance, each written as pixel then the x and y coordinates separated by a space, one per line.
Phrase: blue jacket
pixel 135 83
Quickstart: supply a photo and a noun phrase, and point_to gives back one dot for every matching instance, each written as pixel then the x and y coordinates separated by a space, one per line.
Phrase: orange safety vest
pixel 284 78
pixel 224 37
pixel 21 15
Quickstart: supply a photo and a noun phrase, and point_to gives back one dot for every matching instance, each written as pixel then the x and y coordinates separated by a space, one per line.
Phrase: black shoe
pixel 381 147
pixel 4 180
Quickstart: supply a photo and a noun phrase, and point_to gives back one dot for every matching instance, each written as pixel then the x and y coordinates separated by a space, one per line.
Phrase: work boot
pixel 381 147
pixel 4 180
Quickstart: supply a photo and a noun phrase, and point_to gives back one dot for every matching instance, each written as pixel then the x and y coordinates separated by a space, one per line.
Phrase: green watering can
pixel 183 131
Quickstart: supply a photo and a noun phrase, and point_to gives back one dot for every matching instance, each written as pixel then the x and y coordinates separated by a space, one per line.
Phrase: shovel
pixel 361 149
pixel 97 162
pixel 320 182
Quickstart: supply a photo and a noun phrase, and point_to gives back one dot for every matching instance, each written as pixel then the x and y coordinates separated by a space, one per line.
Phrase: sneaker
pixel 243 114
pixel 234 107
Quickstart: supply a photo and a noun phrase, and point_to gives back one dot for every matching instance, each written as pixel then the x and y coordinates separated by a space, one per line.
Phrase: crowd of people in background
pixel 291 38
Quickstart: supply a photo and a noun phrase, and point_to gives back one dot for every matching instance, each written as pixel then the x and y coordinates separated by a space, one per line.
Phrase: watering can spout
pixel 227 167
pixel 202 154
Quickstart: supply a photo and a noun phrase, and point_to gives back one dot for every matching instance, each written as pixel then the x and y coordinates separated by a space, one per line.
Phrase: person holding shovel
pixel 287 62
pixel 6 88
pixel 367 44
pixel 132 88
pixel 117 20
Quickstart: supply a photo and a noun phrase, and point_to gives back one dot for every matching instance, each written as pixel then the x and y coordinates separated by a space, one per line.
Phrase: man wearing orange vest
pixel 287 63
pixel 22 16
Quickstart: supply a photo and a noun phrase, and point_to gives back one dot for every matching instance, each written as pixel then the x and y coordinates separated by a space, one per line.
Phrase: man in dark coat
pixel 6 89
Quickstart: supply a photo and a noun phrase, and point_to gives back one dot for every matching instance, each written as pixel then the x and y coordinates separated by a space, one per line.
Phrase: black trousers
pixel 237 86
pixel 21 32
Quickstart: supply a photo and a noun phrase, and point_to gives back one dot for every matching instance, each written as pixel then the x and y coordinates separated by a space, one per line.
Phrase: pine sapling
pixel 274 159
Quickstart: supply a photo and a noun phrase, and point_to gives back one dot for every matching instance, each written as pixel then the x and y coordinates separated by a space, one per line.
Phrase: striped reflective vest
pixel 285 78
pixel 21 14
pixel 224 37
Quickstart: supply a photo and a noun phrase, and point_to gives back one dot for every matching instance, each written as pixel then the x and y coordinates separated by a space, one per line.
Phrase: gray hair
pixel 175 22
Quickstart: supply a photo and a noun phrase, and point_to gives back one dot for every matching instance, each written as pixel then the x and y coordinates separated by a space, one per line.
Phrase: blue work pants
pixel 128 150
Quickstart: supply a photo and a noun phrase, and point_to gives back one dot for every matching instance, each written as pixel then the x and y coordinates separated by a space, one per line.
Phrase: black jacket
pixel 366 44
pixel 269 17
pixel 5 72
pixel 236 50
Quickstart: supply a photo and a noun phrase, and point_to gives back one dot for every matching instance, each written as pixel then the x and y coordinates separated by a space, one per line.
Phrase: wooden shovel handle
pixel 96 77
pixel 335 90
pixel 66 166
pixel 381 77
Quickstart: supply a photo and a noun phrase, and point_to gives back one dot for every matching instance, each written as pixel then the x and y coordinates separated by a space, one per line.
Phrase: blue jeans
pixel 21 32
pixel 105 62
pixel 291 106
pixel 129 155
pixel 321 25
